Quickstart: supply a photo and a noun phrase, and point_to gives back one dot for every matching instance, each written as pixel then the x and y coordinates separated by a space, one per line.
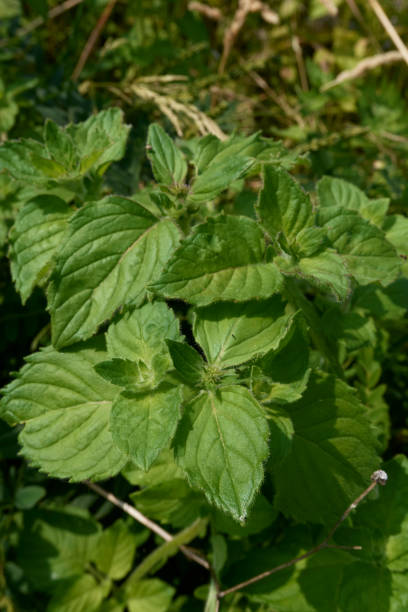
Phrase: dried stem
pixel 378 477
pixel 244 8
pixel 208 11
pixel 141 518
pixel 90 43
pixel 297 48
pixel 389 28
pixel 369 63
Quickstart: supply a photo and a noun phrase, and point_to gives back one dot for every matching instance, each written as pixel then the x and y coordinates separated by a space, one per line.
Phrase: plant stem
pixel 141 518
pixel 378 477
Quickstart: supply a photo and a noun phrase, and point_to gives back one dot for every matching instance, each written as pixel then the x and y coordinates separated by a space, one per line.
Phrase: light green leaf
pixel 327 271
pixel 284 208
pixel 35 236
pixel 187 361
pixel 99 140
pixel 168 163
pixel 337 192
pixel 149 596
pixel 396 232
pixel 142 424
pixel 261 515
pixel 135 375
pixel 140 333
pixel 225 446
pixel 83 594
pixel 231 334
pixel 332 457
pixel 55 545
pixel 214 263
pixel 367 254
pixel 60 145
pixel 310 241
pixel 129 249
pixel 218 177
pixel 115 550
pixel 69 152
pixel 66 408
pixel 169 500
pixel 9 8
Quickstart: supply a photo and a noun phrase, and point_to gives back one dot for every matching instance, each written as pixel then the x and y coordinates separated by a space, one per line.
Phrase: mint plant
pixel 198 346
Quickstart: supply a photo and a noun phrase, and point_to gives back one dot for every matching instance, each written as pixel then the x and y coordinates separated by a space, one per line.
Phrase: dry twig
pixel 378 477
pixel 389 28
pixel 208 11
pixel 368 63
pixel 141 518
pixel 244 8
pixel 90 43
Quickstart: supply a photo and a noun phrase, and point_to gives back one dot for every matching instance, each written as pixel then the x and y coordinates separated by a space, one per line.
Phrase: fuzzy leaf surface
pixel 168 163
pixel 66 409
pixel 332 456
pixel 327 271
pixel 112 250
pixel 142 331
pixel 67 153
pixel 225 447
pixel 218 177
pixel 35 236
pixel 367 254
pixel 283 207
pixel 230 333
pixel 337 192
pixel 187 361
pixel 214 263
pixel 142 424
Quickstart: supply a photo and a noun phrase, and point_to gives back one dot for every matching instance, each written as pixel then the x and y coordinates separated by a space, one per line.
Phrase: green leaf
pixel 187 361
pixel 261 515
pixel 149 596
pixel 60 145
pixel 129 249
pixel 168 163
pixel 337 192
pixel 143 424
pixel 332 457
pixel 69 152
pixel 225 446
pixel 367 254
pixel 115 550
pixel 140 333
pixel 310 241
pixel 135 375
pixel 28 496
pixel 83 594
pixel 55 545
pixel 326 271
pixel 284 208
pixel 396 232
pixel 169 500
pixel 231 334
pixel 218 177
pixel 66 408
pixel 354 329
pixel 214 263
pixel 287 368
pixel 34 238
pixel 100 140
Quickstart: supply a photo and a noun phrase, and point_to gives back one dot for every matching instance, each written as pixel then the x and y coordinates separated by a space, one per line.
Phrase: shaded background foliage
pixel 167 61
